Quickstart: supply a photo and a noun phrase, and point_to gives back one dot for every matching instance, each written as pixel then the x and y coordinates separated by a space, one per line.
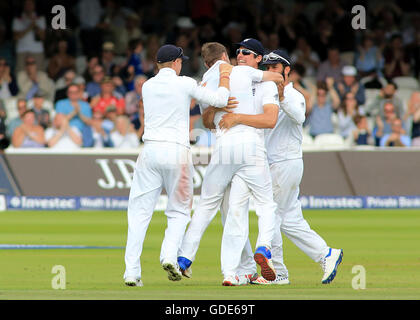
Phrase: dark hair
pixel 27 111
pixel 393 84
pixel 321 85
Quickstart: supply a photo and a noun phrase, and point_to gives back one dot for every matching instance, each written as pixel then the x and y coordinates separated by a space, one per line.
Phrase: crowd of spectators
pixel 81 87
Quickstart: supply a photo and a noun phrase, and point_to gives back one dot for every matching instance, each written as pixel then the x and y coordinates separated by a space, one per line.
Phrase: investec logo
pixel 125 169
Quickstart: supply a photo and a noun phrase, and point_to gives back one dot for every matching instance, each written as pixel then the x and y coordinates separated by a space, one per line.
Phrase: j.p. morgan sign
pixel 79 174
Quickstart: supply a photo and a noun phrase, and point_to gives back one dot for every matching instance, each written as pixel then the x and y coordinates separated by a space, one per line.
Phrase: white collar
pixel 166 71
pixel 214 66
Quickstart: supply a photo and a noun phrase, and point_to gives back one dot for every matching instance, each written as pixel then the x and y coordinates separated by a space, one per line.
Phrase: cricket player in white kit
pixel 165 161
pixel 238 152
pixel 284 149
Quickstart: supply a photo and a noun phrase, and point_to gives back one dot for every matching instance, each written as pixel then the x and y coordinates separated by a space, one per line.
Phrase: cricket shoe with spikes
pixel 133 282
pixel 330 263
pixel 279 281
pixel 174 274
pixel 262 257
pixel 233 281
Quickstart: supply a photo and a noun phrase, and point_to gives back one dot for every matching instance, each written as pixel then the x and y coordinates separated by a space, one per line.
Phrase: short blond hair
pixel 167 64
pixel 211 52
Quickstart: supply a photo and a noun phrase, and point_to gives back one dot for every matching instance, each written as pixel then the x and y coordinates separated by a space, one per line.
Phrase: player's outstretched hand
pixel 225 68
pixel 228 121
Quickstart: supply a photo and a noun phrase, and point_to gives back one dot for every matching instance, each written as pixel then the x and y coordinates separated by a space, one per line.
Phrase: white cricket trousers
pixel 286 178
pixel 248 161
pixel 160 165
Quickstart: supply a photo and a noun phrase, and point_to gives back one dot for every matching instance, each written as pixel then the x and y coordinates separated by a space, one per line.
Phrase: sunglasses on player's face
pixel 245 52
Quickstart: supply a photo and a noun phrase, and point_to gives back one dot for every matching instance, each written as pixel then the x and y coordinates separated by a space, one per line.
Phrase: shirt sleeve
pixel 256 74
pixel 270 94
pixel 218 98
pixel 294 106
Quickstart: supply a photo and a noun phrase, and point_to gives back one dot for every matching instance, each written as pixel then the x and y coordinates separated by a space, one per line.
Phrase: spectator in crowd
pixel 31 80
pixel 130 32
pixel 28 134
pixel 77 111
pixel 7 48
pixel 296 76
pixel 22 107
pixel 134 98
pixel 61 61
pixel 191 49
pixel 93 88
pixel 195 113
pixel 413 115
pixel 349 83
pixel 397 137
pixel 383 124
pixel 62 135
pixel 361 133
pixel 304 55
pixel 369 58
pixel 95 135
pixel 409 34
pixel 148 63
pixel 107 98
pixel 113 19
pixel 8 85
pixel 67 79
pixel 108 57
pixel 4 140
pixel 136 48
pixel 123 136
pixel 414 50
pixel 110 118
pixel 29 33
pixel 89 14
pixel 81 83
pixel 332 67
pixel 92 62
pixel 322 38
pixel 42 115
pixel 346 113
pixel 320 112
pixel 397 60
pixel 387 94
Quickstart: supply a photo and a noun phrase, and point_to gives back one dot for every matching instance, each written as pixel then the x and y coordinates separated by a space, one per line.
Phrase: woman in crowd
pixel 28 134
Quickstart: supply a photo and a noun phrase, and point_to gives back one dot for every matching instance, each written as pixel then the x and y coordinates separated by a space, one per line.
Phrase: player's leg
pixel 256 174
pixel 178 183
pixel 236 227
pixel 286 179
pixel 288 176
pixel 215 182
pixel 142 201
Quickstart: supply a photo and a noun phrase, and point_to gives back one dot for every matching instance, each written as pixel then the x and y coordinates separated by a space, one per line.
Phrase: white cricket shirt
pixel 284 141
pixel 167 98
pixel 241 87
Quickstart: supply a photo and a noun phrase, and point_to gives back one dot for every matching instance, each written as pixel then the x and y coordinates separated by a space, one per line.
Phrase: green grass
pixel 385 242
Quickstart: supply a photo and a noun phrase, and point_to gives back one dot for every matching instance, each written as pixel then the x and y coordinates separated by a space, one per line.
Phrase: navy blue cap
pixel 169 52
pixel 252 44
pixel 277 56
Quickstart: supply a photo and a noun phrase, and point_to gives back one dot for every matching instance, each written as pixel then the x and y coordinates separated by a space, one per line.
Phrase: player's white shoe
pixel 174 274
pixel 279 281
pixel 329 264
pixel 251 277
pixel 133 282
pixel 232 281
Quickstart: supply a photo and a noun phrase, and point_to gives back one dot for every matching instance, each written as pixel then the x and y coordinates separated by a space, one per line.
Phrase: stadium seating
pixel 307 140
pixel 329 140
pixel 406 83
